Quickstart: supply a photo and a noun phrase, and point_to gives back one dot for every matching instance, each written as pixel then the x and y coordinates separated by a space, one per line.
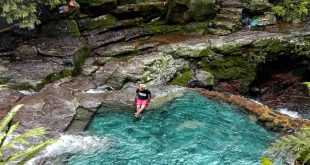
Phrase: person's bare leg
pixel 138 107
pixel 140 110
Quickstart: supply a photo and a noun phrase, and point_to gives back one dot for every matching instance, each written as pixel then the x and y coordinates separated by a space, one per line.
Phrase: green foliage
pixel 7 131
pixel 265 161
pixel 297 144
pixel 292 10
pixel 24 12
pixel 182 78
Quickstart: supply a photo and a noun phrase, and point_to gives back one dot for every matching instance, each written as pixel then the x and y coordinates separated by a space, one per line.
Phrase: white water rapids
pixel 71 144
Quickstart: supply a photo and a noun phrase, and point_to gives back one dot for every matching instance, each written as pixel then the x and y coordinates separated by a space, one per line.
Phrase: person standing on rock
pixel 72 5
pixel 142 100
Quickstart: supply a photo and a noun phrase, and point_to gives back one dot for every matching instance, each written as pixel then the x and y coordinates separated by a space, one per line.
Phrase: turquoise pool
pixel 191 130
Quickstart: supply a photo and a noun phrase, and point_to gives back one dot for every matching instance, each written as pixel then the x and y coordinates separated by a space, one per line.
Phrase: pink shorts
pixel 140 102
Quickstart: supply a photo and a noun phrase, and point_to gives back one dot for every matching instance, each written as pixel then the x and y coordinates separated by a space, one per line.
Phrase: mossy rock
pixel 307 84
pixel 273 46
pixel 104 21
pixel 233 68
pixel 182 78
pixel 93 3
pixel 182 11
pixel 201 9
pixel 54 77
pixel 79 59
pixel 61 28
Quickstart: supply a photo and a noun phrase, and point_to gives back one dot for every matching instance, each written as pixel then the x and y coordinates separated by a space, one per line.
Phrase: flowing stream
pixel 189 130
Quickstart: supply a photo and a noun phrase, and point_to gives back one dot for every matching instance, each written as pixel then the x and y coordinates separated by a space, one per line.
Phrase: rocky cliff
pixel 57 69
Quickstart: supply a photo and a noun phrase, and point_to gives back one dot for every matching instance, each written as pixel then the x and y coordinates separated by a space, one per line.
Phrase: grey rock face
pixel 8 97
pixel 58 47
pixel 205 77
pixel 154 69
pixel 30 72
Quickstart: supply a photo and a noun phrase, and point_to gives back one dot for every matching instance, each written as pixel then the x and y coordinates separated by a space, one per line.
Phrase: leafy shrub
pixel 297 144
pixel 24 12
pixel 9 140
pixel 292 10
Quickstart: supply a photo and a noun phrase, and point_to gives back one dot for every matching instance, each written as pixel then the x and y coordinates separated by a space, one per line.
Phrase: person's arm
pixel 149 96
pixel 136 97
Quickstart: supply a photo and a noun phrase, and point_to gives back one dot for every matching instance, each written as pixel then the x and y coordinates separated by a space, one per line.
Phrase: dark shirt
pixel 143 95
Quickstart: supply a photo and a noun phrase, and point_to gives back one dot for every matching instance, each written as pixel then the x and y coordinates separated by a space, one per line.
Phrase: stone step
pixel 228 10
pixel 231 3
pixel 126 2
pixel 140 7
pixel 231 17
pixel 226 24
pixel 218 31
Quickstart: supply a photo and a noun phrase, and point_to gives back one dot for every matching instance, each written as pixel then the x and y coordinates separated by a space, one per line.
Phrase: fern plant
pixel 24 13
pixel 9 140
pixel 297 144
pixel 292 10
pixel 265 161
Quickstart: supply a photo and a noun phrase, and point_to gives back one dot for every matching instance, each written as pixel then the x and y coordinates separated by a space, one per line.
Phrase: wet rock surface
pixel 69 104
pixel 78 64
pixel 8 98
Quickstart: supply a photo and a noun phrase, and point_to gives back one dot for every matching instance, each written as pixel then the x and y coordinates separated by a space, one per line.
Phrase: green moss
pixel 161 29
pixel 207 53
pixel 200 9
pixel 54 77
pixel 233 68
pixel 61 28
pixel 73 28
pixel 105 21
pixel 273 46
pixel 4 80
pixel 22 86
pixel 79 59
pixel 228 49
pixel 97 2
pixel 307 84
pixel 182 78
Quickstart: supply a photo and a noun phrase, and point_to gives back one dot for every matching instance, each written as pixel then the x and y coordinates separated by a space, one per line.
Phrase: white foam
pixel 101 89
pixel 27 93
pixel 257 102
pixel 71 144
pixel 287 112
pixel 95 91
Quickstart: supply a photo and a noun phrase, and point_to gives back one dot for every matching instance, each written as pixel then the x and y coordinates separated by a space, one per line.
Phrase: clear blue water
pixel 190 130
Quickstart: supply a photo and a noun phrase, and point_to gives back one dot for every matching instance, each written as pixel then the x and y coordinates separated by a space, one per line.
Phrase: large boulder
pixel 94 3
pixel 28 74
pixel 156 68
pixel 258 5
pixel 205 77
pixel 54 107
pixel 44 57
pixel 104 21
pixel 61 28
pixel 182 11
pixel 8 97
pixel 26 52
